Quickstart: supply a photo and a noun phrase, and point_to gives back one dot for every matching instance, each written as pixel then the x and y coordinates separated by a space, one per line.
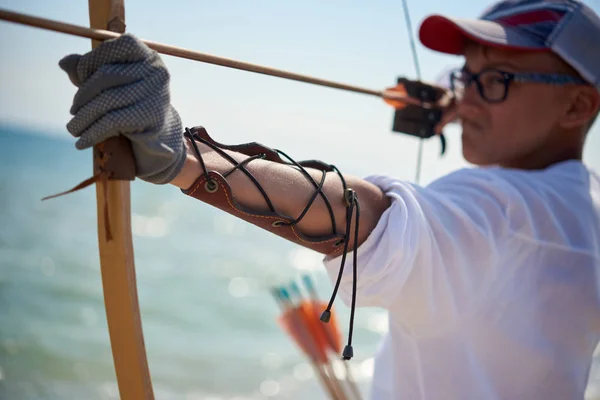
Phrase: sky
pixel 356 42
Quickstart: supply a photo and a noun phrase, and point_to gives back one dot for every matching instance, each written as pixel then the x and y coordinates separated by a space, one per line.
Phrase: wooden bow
pixel 116 253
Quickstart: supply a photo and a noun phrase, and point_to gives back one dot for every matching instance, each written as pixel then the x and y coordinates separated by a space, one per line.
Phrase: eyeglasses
pixel 493 84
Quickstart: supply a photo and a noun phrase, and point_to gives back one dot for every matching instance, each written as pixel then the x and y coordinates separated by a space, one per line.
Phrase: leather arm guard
pixel 213 188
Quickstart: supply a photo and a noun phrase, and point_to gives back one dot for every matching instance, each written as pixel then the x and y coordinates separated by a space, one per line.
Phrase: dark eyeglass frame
pixel 509 78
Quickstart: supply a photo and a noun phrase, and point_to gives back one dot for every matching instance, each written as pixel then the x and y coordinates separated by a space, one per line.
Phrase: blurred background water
pixel 203 278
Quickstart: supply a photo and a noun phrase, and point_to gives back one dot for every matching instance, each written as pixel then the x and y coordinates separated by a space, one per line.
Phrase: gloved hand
pixel 124 89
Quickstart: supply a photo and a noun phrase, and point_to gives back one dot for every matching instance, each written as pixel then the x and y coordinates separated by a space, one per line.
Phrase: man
pixel 490 274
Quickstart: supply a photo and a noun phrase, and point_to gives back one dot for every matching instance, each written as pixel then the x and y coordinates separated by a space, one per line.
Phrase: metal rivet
pixel 211 186
pixel 349 196
pixel 277 223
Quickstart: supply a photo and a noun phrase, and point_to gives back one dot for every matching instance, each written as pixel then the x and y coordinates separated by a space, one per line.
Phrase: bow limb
pixel 116 246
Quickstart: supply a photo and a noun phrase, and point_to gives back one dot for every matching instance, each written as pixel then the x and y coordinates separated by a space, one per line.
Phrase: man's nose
pixel 471 103
pixel 470 100
pixel 471 94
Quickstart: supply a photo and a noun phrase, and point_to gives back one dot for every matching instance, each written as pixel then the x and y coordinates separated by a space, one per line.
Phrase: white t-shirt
pixel 491 278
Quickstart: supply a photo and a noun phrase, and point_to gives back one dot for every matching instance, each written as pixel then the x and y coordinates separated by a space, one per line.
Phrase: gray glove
pixel 124 89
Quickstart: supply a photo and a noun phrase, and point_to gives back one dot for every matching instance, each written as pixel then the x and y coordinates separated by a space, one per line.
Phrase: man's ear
pixel 583 107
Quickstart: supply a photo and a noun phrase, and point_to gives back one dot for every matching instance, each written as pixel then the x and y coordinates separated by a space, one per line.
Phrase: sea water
pixel 203 277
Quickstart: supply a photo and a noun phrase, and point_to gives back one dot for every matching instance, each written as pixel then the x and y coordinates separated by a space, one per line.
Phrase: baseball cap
pixel 569 28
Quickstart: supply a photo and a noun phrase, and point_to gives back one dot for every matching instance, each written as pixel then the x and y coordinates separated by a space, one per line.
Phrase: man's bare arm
pixel 290 192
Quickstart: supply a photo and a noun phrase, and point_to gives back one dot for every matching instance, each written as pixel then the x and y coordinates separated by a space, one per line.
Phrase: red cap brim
pixel 449 35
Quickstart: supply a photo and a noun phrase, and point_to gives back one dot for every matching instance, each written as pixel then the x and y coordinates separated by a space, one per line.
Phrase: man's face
pixel 500 133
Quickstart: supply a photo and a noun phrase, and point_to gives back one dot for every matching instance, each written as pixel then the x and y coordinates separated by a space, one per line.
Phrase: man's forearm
pixel 290 192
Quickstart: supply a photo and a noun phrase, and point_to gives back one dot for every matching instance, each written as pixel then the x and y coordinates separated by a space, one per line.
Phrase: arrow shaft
pixel 99 34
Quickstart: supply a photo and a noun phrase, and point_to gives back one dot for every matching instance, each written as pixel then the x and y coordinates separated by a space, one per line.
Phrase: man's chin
pixel 472 160
pixel 480 162
pixel 476 157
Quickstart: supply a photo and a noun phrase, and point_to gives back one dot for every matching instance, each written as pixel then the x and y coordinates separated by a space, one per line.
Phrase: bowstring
pixel 418 71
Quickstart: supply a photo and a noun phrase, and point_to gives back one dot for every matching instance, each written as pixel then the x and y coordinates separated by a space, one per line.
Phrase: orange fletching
pixel 314 324
pixel 329 331
pixel 313 336
pixel 396 96
pixel 297 323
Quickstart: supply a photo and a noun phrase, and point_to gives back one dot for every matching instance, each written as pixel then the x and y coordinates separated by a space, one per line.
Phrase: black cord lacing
pixel 246 161
pixel 319 188
pixel 237 165
pixel 351 200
